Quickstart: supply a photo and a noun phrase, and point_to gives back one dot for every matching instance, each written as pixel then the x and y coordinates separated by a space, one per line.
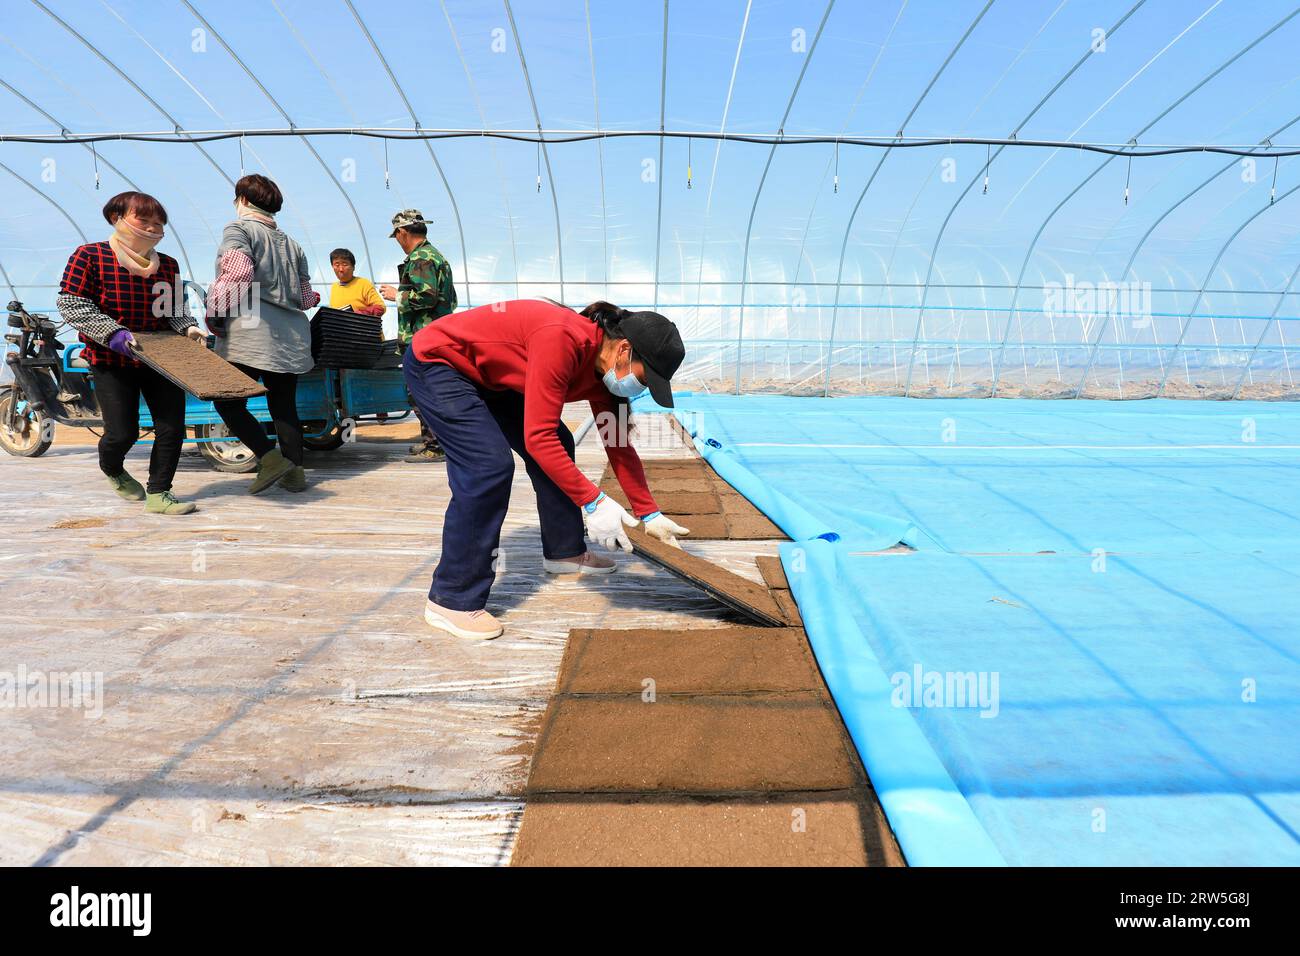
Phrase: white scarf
pixel 134 248
pixel 246 210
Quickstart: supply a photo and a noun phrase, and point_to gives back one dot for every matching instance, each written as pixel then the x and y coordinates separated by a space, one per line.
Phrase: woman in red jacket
pixel 496 378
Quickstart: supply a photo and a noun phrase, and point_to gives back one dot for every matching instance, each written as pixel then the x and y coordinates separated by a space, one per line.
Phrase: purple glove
pixel 120 342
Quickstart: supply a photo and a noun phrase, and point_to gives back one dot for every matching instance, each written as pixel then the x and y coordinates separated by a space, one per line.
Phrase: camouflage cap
pixel 407 217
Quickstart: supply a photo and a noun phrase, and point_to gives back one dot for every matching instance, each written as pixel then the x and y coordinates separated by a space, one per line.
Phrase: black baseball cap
pixel 658 345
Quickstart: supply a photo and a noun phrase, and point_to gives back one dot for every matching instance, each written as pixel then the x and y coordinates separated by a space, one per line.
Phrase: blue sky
pixel 866 72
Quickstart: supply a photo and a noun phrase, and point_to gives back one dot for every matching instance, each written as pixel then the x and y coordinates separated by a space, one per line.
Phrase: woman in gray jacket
pixel 263 284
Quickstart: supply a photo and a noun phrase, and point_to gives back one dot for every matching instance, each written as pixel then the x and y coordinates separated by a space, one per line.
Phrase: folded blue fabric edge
pixel 931 818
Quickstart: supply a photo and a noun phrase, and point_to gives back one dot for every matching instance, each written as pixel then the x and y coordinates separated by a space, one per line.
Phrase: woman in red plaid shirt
pixel 109 290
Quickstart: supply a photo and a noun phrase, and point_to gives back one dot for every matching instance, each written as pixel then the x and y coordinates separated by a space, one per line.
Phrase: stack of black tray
pixel 341 338
pixel 390 356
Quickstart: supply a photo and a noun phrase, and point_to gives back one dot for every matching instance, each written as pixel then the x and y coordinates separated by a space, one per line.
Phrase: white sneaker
pixel 474 625
pixel 586 563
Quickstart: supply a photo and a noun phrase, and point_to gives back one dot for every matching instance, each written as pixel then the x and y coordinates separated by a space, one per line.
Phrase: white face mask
pixel 627 386
pixel 138 240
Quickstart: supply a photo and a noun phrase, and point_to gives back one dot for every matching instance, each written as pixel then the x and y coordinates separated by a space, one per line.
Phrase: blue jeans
pixel 478 428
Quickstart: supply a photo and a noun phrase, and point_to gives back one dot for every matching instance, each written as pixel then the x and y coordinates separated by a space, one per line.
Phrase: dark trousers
pixel 281 401
pixel 426 434
pixel 478 428
pixel 119 389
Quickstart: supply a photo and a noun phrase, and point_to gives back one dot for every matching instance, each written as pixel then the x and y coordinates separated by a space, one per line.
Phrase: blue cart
pixel 53 384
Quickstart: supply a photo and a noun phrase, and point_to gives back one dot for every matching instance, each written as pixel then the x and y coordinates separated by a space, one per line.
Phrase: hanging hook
pixel 241 157
pixel 94 156
pixel 988 159
pixel 385 162
pixel 688 162
pixel 1272 192
pixel 539 160
pixel 837 165
pixel 1128 178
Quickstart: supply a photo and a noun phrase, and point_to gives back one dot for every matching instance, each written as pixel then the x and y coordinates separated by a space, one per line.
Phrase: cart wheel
pixel 28 439
pixel 313 439
pixel 226 453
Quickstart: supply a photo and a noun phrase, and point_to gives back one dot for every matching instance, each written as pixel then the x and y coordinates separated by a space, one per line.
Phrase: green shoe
pixel 166 503
pixel 270 469
pixel 427 454
pixel 127 487
pixel 295 479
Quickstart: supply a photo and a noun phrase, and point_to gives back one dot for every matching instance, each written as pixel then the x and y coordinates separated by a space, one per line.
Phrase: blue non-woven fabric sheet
pixel 1014 475
pixel 1144 712
pixel 1142 677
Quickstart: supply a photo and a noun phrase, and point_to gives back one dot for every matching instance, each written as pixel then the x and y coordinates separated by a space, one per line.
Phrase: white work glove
pixel 606 522
pixel 196 333
pixel 664 528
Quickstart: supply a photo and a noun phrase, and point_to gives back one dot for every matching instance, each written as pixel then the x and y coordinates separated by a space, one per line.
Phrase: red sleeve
pixel 310 297
pixel 622 456
pixel 553 360
pixel 228 289
pixel 81 275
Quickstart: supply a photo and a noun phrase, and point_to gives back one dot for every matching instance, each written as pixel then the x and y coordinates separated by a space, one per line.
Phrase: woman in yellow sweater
pixel 352 290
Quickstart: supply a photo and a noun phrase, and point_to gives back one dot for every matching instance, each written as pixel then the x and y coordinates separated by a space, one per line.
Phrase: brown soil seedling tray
pixel 692 494
pixel 732 660
pixel 701 744
pixel 750 599
pixel 194 367
pixel 773 572
pixel 703 527
pixel 755 527
pixel 836 828
pixel 786 602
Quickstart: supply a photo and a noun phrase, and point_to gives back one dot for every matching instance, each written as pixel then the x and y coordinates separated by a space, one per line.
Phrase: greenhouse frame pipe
pixel 1267 325
pixel 600 154
pixel 1096 346
pixel 560 137
pixel 496 159
pixel 13 292
pixel 546 156
pixel 288 119
pixel 1106 162
pixel 934 249
pixel 1187 323
pixel 812 211
pixel 659 170
pixel 749 229
pixel 848 228
pixel 907 217
pixel 121 175
pixel 135 86
pixel 186 138
pixel 1249 379
pixel 49 199
pixel 717 153
pixel 343 103
pixel 455 209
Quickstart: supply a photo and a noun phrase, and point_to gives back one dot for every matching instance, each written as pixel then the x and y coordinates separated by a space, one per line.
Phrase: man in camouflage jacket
pixel 425 292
